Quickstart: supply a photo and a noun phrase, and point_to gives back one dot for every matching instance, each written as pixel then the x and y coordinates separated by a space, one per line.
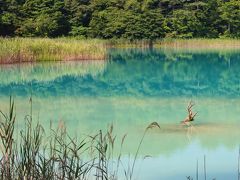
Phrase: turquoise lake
pixel 133 88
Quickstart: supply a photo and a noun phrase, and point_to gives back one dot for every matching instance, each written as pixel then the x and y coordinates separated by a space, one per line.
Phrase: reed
pixel 13 50
pixel 196 45
pixel 7 148
pixel 238 170
pixel 199 45
pixel 204 164
pixel 152 125
pixel 204 171
pixel 36 155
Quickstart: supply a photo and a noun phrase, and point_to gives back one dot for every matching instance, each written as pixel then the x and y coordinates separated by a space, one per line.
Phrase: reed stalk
pixel 205 170
pixel 239 163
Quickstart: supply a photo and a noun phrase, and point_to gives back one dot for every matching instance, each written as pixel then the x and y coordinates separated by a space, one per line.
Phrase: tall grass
pixel 197 45
pixel 200 44
pixel 36 155
pixel 14 50
pixel 7 142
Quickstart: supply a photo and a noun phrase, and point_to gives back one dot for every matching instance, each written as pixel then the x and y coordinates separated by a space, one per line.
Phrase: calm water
pixel 133 88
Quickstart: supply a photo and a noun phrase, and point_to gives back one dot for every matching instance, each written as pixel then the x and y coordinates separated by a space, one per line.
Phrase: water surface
pixel 133 88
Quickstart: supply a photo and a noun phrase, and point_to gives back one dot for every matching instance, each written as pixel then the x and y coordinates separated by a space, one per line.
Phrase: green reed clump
pixel 7 148
pixel 35 155
pixel 14 50
pixel 29 150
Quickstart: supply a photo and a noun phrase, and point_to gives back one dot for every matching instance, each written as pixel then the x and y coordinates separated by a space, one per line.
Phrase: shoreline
pixel 30 50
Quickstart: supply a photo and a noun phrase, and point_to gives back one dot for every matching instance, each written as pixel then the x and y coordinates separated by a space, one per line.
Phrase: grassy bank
pixel 199 44
pixel 194 44
pixel 14 50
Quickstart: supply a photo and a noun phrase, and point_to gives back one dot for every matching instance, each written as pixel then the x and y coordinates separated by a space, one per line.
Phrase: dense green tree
pixel 183 24
pixel 230 13
pixel 110 23
pixel 78 16
pixel 132 19
pixel 9 16
pixel 147 25
pixel 211 19
pixel 43 18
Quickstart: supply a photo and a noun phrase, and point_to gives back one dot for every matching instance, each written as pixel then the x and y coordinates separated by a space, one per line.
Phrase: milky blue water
pixel 133 88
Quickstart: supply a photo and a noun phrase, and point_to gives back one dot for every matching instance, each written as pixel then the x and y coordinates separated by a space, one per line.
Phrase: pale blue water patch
pixel 134 88
pixel 221 164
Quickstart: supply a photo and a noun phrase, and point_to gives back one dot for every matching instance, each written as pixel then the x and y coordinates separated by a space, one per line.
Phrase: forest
pixel 127 19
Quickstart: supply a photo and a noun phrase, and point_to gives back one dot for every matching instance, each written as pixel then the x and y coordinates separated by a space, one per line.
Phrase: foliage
pixel 131 19
pixel 231 16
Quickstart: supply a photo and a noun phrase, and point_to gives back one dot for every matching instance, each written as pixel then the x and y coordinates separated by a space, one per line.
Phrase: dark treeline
pixel 131 19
